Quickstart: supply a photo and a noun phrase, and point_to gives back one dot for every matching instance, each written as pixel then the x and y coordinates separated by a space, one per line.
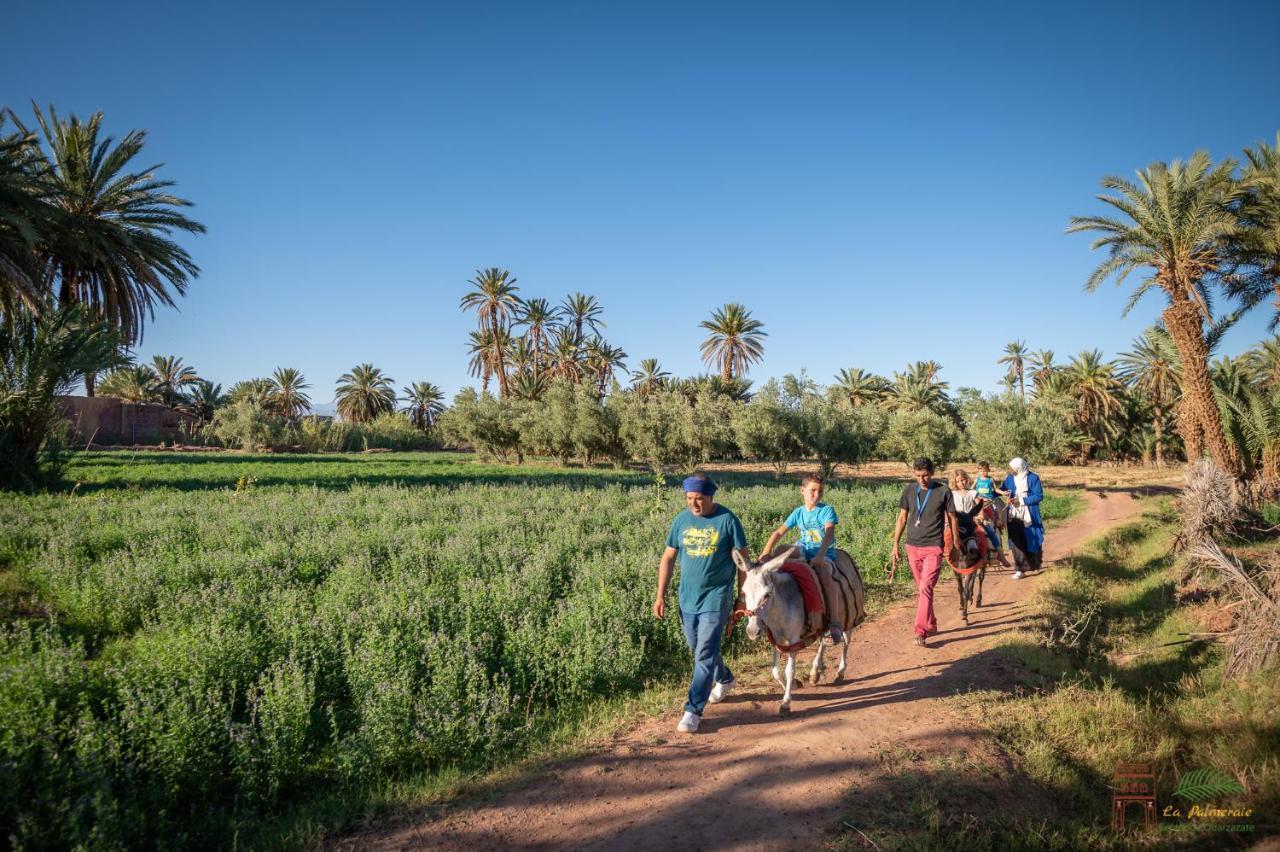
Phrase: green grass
pixel 1038 767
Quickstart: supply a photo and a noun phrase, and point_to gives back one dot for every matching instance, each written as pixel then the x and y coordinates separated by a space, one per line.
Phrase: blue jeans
pixel 703 631
pixel 993 537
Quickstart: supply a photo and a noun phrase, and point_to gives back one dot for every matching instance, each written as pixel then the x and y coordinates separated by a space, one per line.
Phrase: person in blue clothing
pixel 816 522
pixel 704 536
pixel 1025 526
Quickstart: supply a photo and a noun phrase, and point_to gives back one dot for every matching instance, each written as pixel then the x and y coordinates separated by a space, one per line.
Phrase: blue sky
pixel 878 186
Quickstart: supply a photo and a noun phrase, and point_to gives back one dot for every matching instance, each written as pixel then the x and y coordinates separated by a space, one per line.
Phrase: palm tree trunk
pixel 1183 321
pixel 1022 387
pixel 1159 424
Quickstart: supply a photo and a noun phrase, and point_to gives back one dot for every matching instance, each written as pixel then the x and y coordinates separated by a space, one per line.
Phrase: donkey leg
pixel 784 709
pixel 982 575
pixel 815 673
pixel 964 609
pixel 777 673
pixel 844 658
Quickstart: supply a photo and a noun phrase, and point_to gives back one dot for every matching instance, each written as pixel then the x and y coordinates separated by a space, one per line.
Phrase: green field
pixel 196 645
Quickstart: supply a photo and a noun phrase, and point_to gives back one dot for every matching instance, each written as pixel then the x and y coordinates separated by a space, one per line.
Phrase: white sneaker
pixel 1017 575
pixel 688 723
pixel 721 691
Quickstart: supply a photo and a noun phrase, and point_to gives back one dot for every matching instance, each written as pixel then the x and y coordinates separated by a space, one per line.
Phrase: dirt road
pixel 748 779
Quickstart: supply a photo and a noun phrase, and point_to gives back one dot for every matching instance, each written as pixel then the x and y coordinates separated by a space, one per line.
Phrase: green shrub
pixel 247 425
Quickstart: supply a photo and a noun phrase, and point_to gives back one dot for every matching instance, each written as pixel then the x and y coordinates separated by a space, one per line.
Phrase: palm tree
pixel 911 391
pixel 426 402
pixel 137 383
pixel 649 377
pixel 566 355
pixel 735 342
pixel 581 312
pixel 521 355
pixel 203 400
pixel 495 302
pixel 364 393
pixel 256 391
pixel 538 318
pixel 602 360
pixel 860 387
pixel 1151 369
pixel 529 387
pixel 1042 368
pixel 1098 393
pixel 1256 249
pixel 21 217
pixel 171 377
pixel 110 245
pixel 1176 225
pixel 1264 362
pixel 1014 355
pixel 480 363
pixel 287 397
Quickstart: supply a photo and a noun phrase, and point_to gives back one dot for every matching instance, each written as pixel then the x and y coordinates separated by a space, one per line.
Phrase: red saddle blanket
pixel 807 580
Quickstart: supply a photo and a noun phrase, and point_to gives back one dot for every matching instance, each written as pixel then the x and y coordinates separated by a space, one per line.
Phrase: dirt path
pixel 748 779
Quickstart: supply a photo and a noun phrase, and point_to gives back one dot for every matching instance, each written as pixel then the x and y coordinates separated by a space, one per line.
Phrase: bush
pixel 912 434
pixel 247 425
pixel 484 423
pixel 998 428
pixel 391 430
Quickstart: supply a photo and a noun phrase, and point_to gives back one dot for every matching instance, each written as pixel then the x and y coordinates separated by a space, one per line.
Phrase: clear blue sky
pixel 877 186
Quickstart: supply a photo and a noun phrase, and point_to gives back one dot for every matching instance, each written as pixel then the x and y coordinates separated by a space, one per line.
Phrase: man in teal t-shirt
pixel 704 536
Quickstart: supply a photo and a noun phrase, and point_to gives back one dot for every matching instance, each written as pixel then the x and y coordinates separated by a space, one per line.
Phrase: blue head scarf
pixel 700 484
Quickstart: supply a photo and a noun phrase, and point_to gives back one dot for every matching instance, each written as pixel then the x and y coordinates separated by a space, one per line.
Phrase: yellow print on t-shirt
pixel 700 541
pixel 811 536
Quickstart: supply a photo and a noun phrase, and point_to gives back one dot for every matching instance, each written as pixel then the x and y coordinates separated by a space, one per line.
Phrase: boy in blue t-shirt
pixel 816 522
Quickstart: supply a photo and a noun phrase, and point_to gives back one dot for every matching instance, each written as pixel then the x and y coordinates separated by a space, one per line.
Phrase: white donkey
pixel 776 609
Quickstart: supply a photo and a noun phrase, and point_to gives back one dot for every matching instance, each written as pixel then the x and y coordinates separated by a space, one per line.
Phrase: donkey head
pixel 758 589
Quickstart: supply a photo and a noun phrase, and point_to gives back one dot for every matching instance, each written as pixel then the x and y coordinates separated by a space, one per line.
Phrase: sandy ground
pixel 749 779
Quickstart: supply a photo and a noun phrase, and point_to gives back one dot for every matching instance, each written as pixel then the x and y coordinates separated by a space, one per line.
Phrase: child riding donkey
pixel 816 522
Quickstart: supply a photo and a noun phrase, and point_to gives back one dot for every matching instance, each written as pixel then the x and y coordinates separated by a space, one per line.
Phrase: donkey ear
pixel 777 561
pixel 743 563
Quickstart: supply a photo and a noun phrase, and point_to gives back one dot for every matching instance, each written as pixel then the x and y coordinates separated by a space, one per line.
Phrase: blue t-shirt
pixel 706 548
pixel 813 526
pixel 985 486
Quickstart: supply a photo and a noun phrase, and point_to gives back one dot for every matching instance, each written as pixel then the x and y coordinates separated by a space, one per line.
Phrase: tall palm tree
pixel 110 247
pixel 539 318
pixel 137 383
pixel 1256 249
pixel 171 377
pixel 860 387
pixel 1175 225
pixel 735 341
pixel 1042 368
pixel 21 216
pixel 1014 356
pixel 911 391
pixel 287 397
pixel 602 360
pixel 1151 369
pixel 496 304
pixel 425 402
pixel 480 363
pixel 203 400
pixel 581 312
pixel 364 393
pixel 500 344
pixel 649 377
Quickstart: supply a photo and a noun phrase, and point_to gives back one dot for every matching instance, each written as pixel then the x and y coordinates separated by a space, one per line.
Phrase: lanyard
pixel 920 504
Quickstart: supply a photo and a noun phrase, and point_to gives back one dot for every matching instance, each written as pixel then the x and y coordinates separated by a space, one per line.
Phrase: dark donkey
pixel 971 567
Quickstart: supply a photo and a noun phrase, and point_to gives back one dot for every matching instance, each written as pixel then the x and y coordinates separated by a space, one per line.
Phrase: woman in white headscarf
pixel 1026 529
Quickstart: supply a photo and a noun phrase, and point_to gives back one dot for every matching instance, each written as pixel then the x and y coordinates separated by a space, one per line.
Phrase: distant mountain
pixel 325 409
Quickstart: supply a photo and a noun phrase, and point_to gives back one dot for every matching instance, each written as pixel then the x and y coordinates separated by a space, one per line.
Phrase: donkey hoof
pixel 966 621
pixel 815 679
pixel 784 710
